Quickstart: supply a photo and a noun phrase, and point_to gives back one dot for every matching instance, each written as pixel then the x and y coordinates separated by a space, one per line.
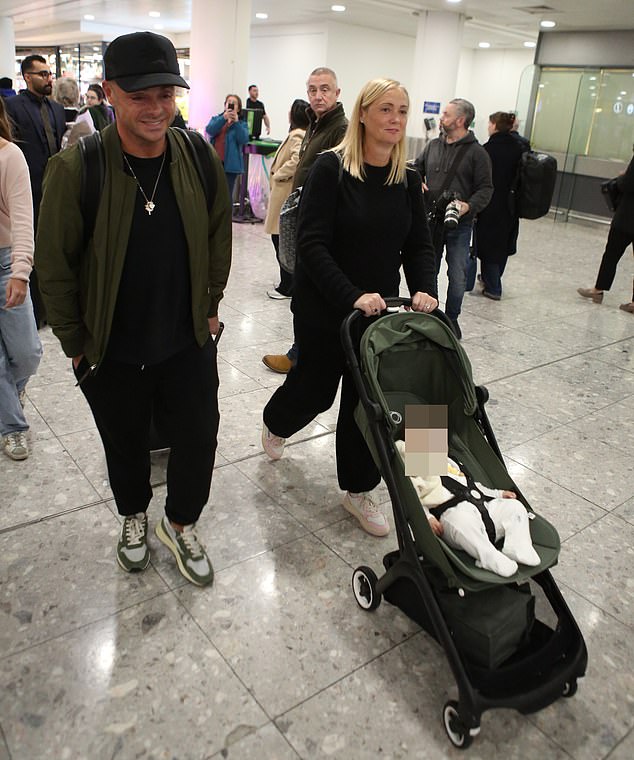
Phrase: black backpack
pixel 93 173
pixel 534 185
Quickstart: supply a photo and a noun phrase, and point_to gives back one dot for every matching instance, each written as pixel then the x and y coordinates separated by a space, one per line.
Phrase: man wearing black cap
pixel 134 306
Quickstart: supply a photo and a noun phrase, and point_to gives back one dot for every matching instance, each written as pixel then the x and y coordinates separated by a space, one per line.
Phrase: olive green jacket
pixel 80 284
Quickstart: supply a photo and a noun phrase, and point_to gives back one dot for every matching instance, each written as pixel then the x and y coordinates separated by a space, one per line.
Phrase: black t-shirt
pixel 153 314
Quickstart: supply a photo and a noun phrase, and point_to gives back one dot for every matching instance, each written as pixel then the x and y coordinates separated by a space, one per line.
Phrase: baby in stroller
pixel 465 514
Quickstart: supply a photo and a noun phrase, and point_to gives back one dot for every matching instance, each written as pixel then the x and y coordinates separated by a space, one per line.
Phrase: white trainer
pixel 370 517
pixel 273 445
pixel 15 445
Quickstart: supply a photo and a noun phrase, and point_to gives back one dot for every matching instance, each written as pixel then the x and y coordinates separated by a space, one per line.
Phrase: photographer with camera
pixel 456 172
pixel 228 133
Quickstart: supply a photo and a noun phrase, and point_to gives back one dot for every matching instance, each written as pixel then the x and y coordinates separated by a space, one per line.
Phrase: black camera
pixel 445 210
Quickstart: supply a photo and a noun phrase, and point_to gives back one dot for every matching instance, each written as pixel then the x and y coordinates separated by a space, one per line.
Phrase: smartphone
pixel 230 106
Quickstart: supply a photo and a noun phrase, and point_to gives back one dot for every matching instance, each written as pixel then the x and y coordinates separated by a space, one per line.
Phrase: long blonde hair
pixel 351 147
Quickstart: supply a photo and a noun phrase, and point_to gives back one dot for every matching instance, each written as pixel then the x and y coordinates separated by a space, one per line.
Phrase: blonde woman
pixel 360 218
pixel 282 173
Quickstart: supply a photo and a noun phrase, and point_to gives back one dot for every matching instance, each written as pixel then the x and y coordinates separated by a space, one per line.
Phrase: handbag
pixel 611 193
pixel 288 226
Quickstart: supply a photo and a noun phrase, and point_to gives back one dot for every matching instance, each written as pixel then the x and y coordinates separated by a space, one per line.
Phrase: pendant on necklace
pixel 149 207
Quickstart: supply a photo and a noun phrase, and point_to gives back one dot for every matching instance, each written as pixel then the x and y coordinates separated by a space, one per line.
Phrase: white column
pixel 436 59
pixel 219 56
pixel 7 49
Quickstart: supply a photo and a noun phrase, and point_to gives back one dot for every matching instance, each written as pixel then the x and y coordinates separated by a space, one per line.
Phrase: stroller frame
pixel 544 670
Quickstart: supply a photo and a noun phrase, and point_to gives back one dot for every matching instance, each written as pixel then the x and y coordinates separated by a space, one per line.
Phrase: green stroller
pixel 500 653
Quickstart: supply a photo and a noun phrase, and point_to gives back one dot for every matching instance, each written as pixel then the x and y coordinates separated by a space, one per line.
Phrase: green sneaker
pixel 191 557
pixel 132 552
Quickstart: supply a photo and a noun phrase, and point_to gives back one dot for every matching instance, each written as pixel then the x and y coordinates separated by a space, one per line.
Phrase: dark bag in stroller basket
pixel 499 653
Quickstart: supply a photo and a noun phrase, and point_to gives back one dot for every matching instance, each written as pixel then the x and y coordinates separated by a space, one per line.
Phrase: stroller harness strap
pixel 470 493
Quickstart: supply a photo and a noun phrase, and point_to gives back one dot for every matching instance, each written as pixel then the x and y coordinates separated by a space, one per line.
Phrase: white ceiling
pixel 503 23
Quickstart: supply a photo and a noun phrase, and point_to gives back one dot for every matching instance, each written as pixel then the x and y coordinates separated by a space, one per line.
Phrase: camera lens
pixel 452 216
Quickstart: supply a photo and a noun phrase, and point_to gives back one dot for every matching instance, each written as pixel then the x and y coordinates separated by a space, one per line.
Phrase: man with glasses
pixel 38 125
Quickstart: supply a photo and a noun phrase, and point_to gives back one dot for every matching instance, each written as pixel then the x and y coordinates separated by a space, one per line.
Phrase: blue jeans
pixel 20 352
pixel 456 243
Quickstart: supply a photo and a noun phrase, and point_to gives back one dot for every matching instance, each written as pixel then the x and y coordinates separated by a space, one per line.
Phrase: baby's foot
pixel 496 562
pixel 525 555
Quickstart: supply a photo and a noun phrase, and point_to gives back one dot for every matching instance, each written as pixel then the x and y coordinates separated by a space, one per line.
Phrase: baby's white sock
pixel 517 542
pixel 496 562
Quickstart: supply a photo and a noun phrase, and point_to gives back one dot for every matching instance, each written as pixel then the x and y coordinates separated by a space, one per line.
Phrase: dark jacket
pixel 472 182
pixel 322 134
pixel 28 131
pixel 80 285
pixel 624 215
pixel 497 226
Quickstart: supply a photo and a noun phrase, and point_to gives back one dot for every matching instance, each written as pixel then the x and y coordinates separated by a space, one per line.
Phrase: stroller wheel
pixel 364 588
pixel 457 732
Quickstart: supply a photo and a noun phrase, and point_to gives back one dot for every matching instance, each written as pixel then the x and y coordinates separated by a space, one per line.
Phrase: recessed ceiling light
pixel 89 17
pixel 454 1
pixel 262 16
pixel 530 44
pixel 623 92
pixel 594 79
pixel 154 14
pixel 484 44
pixel 547 24
pixel 338 8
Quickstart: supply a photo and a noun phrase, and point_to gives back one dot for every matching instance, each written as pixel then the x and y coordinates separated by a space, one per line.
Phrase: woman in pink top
pixel 20 347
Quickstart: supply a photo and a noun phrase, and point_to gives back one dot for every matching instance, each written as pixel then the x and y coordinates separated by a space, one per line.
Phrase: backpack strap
pixel 200 155
pixel 93 176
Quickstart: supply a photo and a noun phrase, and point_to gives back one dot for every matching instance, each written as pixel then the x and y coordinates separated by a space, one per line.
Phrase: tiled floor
pixel 276 660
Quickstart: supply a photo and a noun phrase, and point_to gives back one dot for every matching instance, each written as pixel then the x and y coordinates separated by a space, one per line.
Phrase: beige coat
pixel 282 173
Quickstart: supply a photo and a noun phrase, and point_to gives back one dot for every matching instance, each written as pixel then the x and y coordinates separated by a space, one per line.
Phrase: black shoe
pixel 456 328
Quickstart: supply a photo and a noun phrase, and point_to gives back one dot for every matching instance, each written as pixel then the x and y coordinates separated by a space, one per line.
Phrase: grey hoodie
pixel 472 182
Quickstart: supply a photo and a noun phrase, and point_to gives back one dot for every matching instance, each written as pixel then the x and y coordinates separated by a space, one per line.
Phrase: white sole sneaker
pixel 368 515
pixel 273 445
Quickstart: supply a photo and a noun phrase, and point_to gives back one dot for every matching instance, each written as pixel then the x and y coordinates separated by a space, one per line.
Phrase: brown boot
pixel 278 363
pixel 628 307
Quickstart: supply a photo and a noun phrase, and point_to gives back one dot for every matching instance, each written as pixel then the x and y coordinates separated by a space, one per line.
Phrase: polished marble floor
pixel 276 661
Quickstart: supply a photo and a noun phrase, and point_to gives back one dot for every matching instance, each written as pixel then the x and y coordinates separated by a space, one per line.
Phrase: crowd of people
pixel 136 312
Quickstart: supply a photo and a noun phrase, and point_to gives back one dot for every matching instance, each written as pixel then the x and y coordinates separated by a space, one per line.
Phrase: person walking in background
pixel 497 225
pixel 96 108
pixel 66 93
pixel 228 133
pixel 135 305
pixel 455 167
pixel 38 125
pixel 621 235
pixel 20 347
pixel 326 128
pixel 281 180
pixel 361 217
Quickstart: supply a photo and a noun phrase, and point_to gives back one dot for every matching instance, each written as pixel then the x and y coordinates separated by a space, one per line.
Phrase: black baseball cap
pixel 142 59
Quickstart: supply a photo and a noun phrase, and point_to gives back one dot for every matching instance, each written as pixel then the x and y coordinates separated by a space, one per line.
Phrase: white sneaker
pixel 273 445
pixel 276 295
pixel 15 445
pixel 370 517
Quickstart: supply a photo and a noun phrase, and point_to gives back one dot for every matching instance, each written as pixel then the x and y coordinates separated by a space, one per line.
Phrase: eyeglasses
pixel 43 74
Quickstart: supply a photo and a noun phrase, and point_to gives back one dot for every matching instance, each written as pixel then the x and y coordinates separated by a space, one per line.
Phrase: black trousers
pixel 618 241
pixel 310 388
pixel 286 278
pixel 181 395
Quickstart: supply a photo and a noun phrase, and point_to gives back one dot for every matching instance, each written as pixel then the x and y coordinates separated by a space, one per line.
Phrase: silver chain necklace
pixel 149 202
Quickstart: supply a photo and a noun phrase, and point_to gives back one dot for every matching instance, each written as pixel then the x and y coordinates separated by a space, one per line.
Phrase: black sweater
pixel 352 237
